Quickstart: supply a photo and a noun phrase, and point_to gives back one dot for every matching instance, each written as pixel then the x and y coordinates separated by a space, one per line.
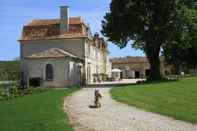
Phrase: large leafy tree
pixel 151 24
pixel 184 54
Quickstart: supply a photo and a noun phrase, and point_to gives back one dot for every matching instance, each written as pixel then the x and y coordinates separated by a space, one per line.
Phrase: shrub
pixel 10 91
pixel 9 70
pixel 103 76
pixel 35 82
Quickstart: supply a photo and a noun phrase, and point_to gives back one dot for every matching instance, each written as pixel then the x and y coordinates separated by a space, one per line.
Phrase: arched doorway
pixel 49 72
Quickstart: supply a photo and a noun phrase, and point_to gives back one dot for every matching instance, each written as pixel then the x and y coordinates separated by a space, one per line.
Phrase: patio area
pixel 116 83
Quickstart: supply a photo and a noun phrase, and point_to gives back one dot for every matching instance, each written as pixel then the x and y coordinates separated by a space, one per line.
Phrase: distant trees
pixel 9 70
pixel 153 25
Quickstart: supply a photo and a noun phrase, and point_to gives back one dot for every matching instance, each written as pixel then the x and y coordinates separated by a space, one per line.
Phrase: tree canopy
pixel 184 53
pixel 151 24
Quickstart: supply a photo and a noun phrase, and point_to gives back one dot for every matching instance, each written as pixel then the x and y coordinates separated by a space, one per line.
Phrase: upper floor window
pixel 49 72
pixel 89 49
pixel 97 53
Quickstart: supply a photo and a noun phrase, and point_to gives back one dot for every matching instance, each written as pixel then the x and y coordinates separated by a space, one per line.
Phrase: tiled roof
pixel 50 29
pixel 46 29
pixel 129 59
pixel 38 22
pixel 52 53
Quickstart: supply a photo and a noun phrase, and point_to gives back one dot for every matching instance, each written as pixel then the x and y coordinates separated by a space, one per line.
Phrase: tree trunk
pixel 154 60
pixel 154 68
pixel 177 68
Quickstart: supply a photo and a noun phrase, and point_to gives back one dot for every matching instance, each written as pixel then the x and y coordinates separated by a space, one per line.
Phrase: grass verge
pixel 177 99
pixel 36 112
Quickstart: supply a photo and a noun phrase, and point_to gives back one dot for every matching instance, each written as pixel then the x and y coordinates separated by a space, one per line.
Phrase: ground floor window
pixel 89 73
pixel 49 72
pixel 137 74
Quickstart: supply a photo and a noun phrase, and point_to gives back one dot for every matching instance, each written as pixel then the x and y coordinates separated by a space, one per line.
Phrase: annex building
pixel 138 67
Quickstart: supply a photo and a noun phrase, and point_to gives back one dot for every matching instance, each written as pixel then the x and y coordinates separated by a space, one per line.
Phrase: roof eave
pixel 51 38
pixel 53 57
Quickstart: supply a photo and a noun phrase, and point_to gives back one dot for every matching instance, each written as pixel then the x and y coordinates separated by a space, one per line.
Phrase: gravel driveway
pixel 115 116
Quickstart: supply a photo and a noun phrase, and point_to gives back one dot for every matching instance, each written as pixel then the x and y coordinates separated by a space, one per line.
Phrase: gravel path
pixel 115 116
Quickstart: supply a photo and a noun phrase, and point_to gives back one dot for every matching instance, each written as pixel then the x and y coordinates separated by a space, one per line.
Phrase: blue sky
pixel 15 13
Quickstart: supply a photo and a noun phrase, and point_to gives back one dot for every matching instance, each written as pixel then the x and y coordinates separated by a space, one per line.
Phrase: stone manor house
pixel 62 51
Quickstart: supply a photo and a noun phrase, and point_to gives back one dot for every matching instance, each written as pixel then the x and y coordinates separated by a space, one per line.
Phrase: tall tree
pixel 150 23
pixel 184 54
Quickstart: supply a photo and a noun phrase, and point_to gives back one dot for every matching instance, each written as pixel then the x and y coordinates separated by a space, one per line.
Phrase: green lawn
pixel 177 99
pixel 37 112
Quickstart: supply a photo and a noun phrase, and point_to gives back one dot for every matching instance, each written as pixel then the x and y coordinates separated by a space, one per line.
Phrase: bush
pixel 110 79
pixel 9 70
pixel 103 76
pixel 35 82
pixel 10 91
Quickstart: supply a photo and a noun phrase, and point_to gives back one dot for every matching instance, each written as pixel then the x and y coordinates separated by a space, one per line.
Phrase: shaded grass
pixel 37 112
pixel 177 99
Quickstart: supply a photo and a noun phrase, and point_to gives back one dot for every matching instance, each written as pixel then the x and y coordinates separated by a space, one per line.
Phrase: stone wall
pixel 96 61
pixel 65 71
pixel 74 46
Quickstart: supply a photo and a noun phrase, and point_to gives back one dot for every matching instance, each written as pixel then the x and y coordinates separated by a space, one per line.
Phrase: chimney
pixel 64 19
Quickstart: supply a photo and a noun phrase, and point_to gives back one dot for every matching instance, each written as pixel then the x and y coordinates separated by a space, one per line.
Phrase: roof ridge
pixel 72 17
pixel 45 19
pixel 38 22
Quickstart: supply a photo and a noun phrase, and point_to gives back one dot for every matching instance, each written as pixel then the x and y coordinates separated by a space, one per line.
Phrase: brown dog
pixel 97 97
